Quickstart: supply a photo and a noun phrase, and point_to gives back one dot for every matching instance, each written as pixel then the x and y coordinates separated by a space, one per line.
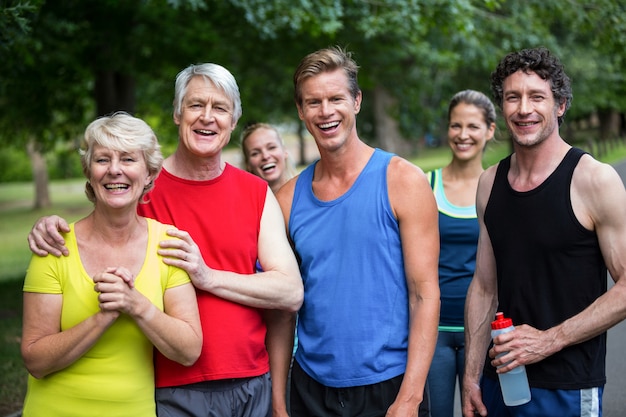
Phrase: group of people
pixel 394 274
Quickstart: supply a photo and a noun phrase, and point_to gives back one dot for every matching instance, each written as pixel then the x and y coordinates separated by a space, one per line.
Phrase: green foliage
pixel 63 163
pixel 63 63
pixel 15 19
pixel 274 16
pixel 16 166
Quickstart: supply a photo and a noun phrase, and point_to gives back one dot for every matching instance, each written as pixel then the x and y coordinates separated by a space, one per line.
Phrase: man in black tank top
pixel 552 220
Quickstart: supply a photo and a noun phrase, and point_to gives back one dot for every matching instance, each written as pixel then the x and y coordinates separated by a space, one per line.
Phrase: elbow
pixel 35 374
pixel 193 357
pixel 35 371
pixel 189 360
pixel 192 353
pixel 30 364
pixel 296 300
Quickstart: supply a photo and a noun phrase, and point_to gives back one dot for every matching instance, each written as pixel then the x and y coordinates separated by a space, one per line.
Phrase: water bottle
pixel 514 384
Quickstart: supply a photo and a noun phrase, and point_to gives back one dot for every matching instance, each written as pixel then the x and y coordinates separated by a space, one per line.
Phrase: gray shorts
pixel 243 397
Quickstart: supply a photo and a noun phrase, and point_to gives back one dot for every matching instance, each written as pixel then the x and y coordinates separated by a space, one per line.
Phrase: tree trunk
pixel 40 174
pixel 114 92
pixel 302 142
pixel 387 127
pixel 610 122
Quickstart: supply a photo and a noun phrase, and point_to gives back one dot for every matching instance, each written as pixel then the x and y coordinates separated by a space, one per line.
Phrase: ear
pixel 176 119
pixel 357 102
pixel 300 112
pixel 149 179
pixel 491 131
pixel 561 110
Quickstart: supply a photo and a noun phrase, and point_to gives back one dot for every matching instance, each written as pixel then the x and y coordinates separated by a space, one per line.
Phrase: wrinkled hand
pixel 472 400
pixel 116 293
pixel 44 238
pixel 525 345
pixel 184 253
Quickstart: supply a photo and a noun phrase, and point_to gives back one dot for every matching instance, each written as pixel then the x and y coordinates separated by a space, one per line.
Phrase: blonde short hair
pixel 125 133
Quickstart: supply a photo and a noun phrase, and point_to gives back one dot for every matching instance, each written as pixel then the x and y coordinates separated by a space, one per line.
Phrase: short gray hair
pixel 219 76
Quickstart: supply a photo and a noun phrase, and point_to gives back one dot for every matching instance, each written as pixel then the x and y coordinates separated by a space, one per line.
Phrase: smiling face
pixel 266 156
pixel 118 178
pixel 328 109
pixel 206 120
pixel 529 108
pixel 468 131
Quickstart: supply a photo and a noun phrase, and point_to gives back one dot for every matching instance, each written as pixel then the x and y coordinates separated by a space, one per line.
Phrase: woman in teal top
pixel 471 124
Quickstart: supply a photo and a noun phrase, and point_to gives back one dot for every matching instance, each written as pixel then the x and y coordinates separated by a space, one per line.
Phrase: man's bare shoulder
pixel 409 190
pixel 285 196
pixel 488 175
pixel 593 176
pixel 401 169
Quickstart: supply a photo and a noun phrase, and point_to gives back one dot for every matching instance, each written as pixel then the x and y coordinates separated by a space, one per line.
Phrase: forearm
pixel 178 338
pixel 57 351
pixel 480 309
pixel 601 315
pixel 424 319
pixel 272 290
pixel 279 342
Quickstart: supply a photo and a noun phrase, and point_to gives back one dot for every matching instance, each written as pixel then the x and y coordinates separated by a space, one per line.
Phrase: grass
pixel 16 220
pixel 69 201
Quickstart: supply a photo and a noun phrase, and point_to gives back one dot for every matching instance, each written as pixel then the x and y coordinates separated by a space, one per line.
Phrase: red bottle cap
pixel 501 322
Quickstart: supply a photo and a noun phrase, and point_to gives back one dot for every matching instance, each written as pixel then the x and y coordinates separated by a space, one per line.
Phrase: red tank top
pixel 223 217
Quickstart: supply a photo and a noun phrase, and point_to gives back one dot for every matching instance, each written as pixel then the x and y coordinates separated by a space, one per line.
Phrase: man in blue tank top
pixel 552 219
pixel 363 223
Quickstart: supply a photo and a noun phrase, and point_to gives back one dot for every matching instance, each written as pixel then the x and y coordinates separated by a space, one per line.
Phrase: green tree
pixel 63 63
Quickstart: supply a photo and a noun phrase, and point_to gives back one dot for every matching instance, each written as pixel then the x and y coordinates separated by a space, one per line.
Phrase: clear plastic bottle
pixel 514 384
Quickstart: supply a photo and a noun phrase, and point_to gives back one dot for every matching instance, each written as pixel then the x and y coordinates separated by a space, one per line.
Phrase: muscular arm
pixel 414 205
pixel 280 327
pixel 278 287
pixel 599 202
pixel 480 306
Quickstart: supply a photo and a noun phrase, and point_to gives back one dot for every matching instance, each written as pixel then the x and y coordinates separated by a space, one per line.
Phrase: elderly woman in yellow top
pixel 91 319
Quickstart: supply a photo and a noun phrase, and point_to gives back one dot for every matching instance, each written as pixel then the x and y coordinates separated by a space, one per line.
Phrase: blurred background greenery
pixel 63 63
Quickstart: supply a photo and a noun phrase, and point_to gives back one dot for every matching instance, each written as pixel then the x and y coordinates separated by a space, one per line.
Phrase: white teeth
pixel 268 166
pixel 526 124
pixel 116 186
pixel 328 125
pixel 205 132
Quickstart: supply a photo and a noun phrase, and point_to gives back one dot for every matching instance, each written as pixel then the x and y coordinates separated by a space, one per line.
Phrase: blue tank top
pixel 353 324
pixel 458 235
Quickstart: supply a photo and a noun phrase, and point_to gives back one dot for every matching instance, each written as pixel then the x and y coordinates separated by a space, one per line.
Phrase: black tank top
pixel 549 268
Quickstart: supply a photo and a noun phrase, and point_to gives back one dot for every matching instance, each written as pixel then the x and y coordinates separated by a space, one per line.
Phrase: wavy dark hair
pixel 543 63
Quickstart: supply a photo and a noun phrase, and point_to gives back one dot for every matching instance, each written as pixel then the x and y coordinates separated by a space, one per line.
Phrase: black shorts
pixel 310 398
